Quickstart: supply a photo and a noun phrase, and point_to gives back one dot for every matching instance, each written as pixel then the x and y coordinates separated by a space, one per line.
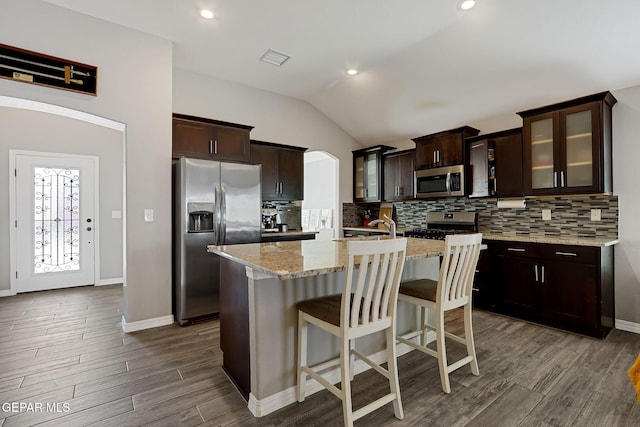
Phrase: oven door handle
pixel 448 183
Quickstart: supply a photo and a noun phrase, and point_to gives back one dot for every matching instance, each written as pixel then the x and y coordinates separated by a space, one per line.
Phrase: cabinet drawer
pixel 580 254
pixel 515 249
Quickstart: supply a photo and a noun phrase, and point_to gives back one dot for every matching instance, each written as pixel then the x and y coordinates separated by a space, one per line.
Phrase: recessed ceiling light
pixel 466 4
pixel 207 14
pixel 352 71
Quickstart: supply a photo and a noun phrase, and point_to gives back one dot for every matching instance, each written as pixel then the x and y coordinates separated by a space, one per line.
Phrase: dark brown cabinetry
pixel 398 175
pixel 210 139
pixel 368 174
pixel 495 164
pixel 282 170
pixel 442 148
pixel 567 146
pixel 569 287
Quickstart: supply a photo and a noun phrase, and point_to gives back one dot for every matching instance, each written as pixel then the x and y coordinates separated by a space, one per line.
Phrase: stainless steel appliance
pixel 440 182
pixel 289 215
pixel 439 224
pixel 269 224
pixel 214 204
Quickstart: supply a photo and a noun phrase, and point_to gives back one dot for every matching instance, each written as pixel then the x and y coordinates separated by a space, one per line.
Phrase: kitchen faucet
pixel 391 225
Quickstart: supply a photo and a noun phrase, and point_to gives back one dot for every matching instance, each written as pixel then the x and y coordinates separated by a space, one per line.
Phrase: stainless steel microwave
pixel 440 182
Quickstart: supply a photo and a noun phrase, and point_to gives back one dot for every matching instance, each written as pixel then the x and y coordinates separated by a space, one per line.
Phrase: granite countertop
pixel 556 240
pixel 293 259
pixel 399 230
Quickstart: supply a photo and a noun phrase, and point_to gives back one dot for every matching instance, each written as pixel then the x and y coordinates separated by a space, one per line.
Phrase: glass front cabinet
pixel 567 147
pixel 368 174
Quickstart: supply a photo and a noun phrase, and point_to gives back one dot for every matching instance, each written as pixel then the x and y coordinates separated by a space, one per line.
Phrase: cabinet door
pixel 291 174
pixel 508 165
pixel 518 283
pixel 426 153
pixel 580 149
pixel 358 178
pixel 372 176
pixel 391 166
pixel 406 169
pixel 479 169
pixel 231 144
pixel 268 158
pixel 192 139
pixel 450 150
pixel 569 294
pixel 541 154
pixel 484 292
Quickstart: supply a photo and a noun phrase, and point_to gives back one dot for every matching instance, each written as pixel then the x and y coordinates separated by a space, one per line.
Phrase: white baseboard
pixel 115 281
pixel 262 407
pixel 146 324
pixel 7 293
pixel 624 325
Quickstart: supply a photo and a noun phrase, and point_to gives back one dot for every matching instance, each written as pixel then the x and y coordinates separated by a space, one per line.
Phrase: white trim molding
pixel 114 281
pixel 146 324
pixel 7 293
pixel 625 325
pixel 262 407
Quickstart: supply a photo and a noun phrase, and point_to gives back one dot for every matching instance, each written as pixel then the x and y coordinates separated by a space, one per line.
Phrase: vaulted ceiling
pixel 425 65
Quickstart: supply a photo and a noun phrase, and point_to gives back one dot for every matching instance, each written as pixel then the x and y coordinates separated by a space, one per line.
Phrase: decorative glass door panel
pixel 542 149
pixel 56 220
pixel 579 149
pixel 55 223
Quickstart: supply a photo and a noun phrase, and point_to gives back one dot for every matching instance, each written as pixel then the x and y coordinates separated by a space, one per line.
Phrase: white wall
pixel 275 118
pixel 626 152
pixel 319 184
pixel 134 87
pixel 57 134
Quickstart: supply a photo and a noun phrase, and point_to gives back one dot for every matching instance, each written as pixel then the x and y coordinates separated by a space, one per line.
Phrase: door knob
pixel 88 228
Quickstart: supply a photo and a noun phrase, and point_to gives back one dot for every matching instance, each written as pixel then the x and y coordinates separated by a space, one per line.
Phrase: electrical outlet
pixel 546 214
pixel 148 215
pixel 596 214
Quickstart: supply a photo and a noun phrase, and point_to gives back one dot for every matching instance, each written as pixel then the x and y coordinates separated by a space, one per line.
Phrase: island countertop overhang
pixel 295 259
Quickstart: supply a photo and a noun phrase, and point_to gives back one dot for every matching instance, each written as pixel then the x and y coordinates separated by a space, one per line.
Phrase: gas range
pixel 439 224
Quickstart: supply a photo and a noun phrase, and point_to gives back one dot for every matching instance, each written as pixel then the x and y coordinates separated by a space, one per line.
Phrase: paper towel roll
pixel 512 204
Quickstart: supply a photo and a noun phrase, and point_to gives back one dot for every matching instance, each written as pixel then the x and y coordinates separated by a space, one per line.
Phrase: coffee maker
pixel 269 223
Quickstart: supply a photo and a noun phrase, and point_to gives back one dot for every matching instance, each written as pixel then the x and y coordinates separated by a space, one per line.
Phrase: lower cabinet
pixel 567 287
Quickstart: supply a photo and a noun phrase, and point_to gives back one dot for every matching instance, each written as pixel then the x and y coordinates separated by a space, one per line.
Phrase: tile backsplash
pixel 570 215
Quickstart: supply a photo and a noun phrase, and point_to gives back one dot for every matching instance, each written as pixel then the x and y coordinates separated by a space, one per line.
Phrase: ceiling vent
pixel 274 57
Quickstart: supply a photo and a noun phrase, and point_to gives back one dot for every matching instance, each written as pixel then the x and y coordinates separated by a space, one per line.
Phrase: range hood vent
pixel 274 57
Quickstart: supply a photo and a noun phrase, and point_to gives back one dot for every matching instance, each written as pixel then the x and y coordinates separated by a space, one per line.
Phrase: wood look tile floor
pixel 66 347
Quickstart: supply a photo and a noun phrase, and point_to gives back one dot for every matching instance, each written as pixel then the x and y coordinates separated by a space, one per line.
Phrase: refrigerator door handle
pixel 223 215
pixel 217 215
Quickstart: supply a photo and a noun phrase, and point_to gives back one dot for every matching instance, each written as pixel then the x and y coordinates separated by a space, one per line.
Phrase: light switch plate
pixel 596 214
pixel 148 215
pixel 546 214
pixel 116 214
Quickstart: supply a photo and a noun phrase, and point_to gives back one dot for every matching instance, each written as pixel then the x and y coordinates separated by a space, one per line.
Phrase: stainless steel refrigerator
pixel 215 203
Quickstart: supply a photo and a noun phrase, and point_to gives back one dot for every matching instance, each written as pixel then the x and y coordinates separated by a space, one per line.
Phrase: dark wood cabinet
pixel 484 289
pixel 442 148
pixel 564 286
pixel 398 175
pixel 567 146
pixel 210 139
pixel 282 174
pixel 494 167
pixel 368 173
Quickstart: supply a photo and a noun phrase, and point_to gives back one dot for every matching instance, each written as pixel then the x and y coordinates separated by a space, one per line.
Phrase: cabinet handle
pixel 280 188
pixel 495 185
pixel 434 156
pixel 478 145
pixel 475 289
pixel 215 146
pixel 561 178
pixel 516 249
pixel 543 274
pixel 400 190
pixel 535 268
pixel 555 179
pixel 211 146
pixel 438 156
pixel 566 253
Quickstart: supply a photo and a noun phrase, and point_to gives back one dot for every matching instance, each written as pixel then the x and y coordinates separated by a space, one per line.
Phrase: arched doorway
pixel 321 207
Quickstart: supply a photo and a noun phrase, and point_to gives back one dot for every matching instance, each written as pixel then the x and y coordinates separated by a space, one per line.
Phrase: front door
pixel 55 222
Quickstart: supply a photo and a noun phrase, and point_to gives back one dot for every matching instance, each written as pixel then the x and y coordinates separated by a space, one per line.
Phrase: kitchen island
pixel 260 285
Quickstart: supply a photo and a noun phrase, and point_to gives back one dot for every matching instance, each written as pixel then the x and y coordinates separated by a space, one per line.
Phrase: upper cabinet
pixel 442 148
pixel 495 164
pixel 368 174
pixel 210 139
pixel 398 175
pixel 282 170
pixel 567 146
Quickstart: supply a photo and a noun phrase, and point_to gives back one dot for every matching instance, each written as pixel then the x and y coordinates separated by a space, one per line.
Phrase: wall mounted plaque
pixel 44 70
